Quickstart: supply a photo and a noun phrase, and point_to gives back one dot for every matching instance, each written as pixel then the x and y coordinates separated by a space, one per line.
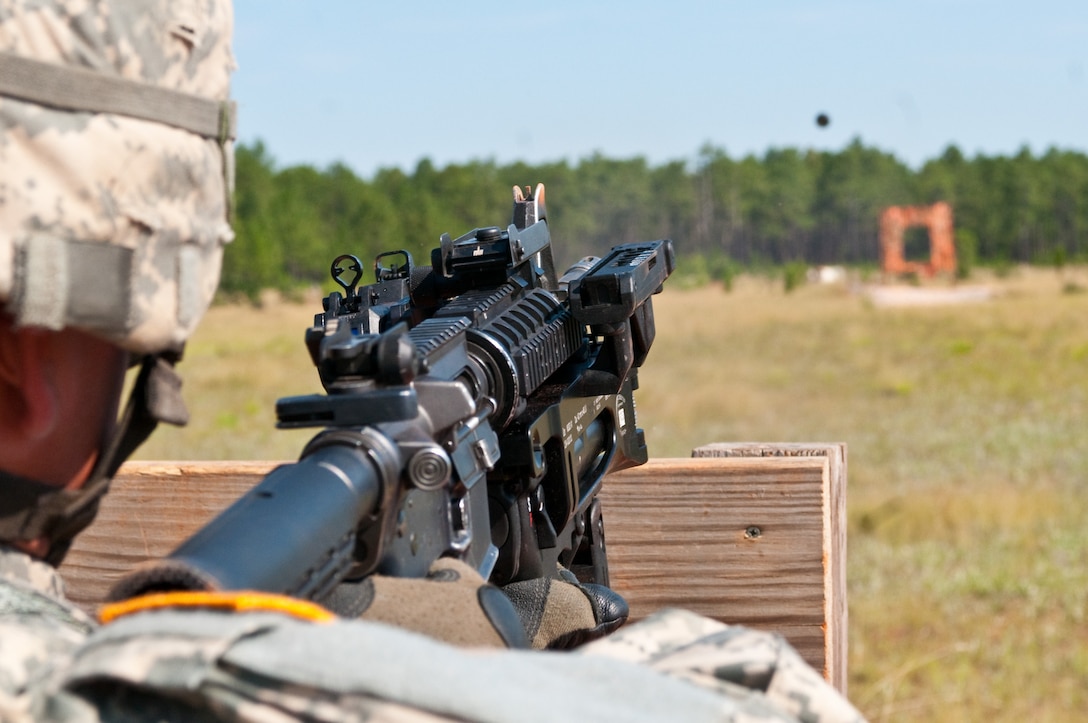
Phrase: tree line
pixel 787 206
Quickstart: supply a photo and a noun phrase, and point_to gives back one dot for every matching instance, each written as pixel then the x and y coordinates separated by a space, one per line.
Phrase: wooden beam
pixel 743 540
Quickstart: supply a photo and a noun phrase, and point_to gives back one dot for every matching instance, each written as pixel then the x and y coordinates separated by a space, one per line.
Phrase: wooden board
pixel 745 540
pixel 832 512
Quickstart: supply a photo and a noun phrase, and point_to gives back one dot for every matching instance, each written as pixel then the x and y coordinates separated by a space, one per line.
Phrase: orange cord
pixel 244 601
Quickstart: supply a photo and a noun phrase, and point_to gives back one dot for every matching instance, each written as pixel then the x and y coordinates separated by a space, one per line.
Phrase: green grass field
pixel 968 553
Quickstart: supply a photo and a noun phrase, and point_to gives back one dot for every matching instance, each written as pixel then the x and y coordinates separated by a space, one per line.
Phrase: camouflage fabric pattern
pixel 39 631
pixel 110 223
pixel 732 660
pixel 267 667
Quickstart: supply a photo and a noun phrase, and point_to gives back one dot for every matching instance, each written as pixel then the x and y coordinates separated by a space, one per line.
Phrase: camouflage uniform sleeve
pixel 734 661
pixel 269 667
pixel 39 632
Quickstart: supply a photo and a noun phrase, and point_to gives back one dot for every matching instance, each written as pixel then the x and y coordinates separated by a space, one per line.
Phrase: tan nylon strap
pixel 82 89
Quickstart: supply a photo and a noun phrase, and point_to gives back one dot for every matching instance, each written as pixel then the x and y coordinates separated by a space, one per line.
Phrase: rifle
pixel 472 409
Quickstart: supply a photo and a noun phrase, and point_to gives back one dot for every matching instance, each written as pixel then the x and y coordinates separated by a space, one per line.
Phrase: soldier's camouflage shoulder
pixel 259 665
pixel 264 667
pixel 734 661
pixel 39 631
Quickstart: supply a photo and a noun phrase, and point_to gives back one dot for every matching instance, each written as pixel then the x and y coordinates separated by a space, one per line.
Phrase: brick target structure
pixel 895 220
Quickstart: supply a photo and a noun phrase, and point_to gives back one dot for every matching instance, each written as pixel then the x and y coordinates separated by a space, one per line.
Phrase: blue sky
pixel 382 84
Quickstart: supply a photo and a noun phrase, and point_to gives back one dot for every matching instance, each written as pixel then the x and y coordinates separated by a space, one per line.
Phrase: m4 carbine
pixel 472 410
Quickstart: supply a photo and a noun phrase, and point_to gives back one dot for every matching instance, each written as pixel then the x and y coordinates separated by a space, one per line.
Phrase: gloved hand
pixel 453 604
pixel 456 605
pixel 559 614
